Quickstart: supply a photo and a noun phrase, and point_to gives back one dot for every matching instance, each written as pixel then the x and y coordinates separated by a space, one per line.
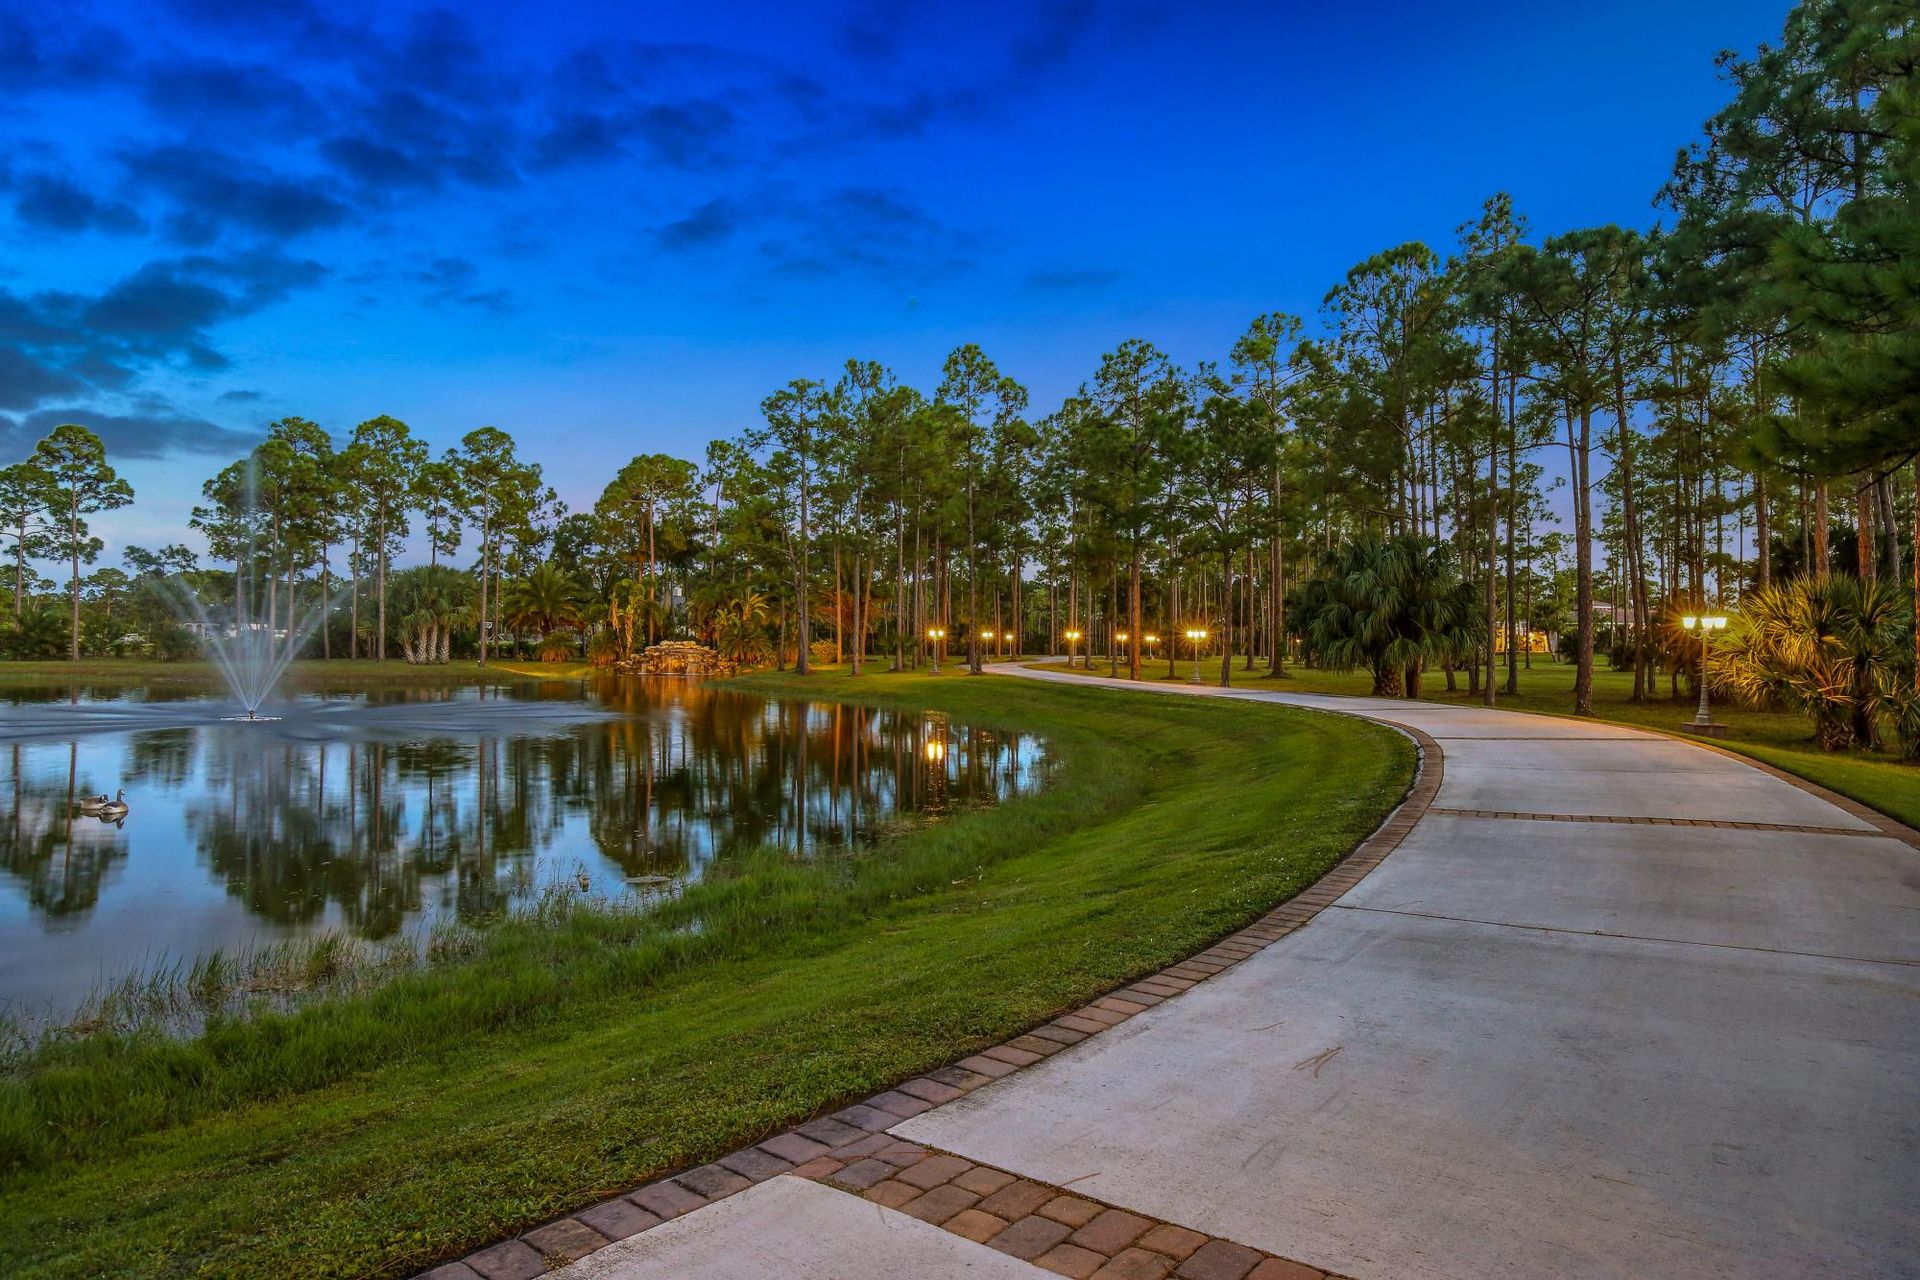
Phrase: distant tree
pixel 1577 295
pixel 629 510
pixel 24 523
pixel 168 561
pixel 496 491
pixel 1134 405
pixel 384 459
pixel 792 429
pixel 75 481
pixel 437 497
pixel 1226 462
pixel 1261 358
pixel 988 402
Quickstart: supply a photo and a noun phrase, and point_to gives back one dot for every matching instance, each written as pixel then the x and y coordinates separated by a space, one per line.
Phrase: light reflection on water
pixel 377 812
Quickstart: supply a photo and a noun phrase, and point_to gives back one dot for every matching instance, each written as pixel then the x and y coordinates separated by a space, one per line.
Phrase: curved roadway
pixel 1578 1024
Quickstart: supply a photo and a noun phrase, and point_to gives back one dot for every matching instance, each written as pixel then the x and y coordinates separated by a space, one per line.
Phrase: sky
pixel 614 228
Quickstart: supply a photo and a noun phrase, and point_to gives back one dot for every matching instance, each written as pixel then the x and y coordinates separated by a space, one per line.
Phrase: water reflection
pixel 238 834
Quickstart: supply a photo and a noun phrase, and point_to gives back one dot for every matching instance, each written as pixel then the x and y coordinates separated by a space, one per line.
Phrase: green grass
pixel 590 1051
pixel 1783 739
pixel 337 673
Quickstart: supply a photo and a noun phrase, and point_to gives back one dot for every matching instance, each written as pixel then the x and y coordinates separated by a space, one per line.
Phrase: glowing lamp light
pixel 936 750
pixel 1194 636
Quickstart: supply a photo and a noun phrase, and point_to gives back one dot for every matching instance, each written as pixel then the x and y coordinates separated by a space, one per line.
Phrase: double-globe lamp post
pixel 1073 638
pixel 1702 721
pixel 936 635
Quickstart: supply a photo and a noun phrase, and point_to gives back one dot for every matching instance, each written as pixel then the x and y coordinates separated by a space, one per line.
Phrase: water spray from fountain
pixel 250 650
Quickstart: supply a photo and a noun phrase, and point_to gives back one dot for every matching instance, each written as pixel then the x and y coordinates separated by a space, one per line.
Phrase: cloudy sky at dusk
pixel 613 228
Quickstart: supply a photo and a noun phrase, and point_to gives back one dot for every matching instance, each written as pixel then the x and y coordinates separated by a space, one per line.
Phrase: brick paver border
pixel 1050 1226
pixel 850 1149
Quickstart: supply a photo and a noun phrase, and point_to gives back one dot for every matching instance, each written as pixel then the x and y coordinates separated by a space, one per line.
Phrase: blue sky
pixel 611 229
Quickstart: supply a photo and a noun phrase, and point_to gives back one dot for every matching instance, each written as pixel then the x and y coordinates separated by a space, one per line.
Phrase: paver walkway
pixel 1616 1006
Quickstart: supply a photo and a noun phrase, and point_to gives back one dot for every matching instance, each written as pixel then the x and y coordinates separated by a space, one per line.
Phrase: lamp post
pixel 1119 638
pixel 1073 638
pixel 987 638
pixel 936 635
pixel 1195 636
pixel 1702 722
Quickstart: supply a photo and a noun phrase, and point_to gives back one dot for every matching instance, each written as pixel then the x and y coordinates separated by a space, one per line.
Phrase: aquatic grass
pixel 581 1049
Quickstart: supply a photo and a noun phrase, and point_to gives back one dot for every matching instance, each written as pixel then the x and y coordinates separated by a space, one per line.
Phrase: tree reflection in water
pixel 375 830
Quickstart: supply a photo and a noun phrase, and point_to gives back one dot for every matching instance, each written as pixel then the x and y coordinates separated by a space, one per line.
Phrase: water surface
pixel 377 812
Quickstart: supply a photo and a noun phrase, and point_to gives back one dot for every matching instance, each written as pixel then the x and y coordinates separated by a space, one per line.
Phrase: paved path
pixel 1561 1030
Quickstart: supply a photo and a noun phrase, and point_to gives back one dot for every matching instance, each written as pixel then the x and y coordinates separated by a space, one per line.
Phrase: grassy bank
pixel 314 674
pixel 1783 739
pixel 377 1134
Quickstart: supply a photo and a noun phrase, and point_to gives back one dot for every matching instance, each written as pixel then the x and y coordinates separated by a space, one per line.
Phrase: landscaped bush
pixel 1835 650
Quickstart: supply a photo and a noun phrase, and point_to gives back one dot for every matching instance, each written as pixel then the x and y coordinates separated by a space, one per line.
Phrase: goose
pixel 116 807
pixel 92 804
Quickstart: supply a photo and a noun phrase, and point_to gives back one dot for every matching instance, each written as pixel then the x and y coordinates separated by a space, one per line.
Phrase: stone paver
pixel 509 1260
pixel 618 1219
pixel 568 1239
pixel 1030 1236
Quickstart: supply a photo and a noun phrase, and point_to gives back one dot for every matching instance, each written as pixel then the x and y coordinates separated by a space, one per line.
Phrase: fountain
pixel 251 652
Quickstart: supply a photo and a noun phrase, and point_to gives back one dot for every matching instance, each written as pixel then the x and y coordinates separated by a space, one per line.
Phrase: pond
pixel 377 812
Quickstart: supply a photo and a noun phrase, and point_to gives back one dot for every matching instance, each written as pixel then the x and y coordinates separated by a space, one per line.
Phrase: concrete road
pixel 1521 1047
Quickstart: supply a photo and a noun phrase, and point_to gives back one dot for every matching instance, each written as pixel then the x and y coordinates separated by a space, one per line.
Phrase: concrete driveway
pixel 1617 1007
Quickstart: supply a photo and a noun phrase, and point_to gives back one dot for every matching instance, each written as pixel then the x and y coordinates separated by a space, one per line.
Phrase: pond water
pixel 376 812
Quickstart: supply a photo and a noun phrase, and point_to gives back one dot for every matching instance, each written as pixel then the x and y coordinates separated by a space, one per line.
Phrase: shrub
pixel 1832 649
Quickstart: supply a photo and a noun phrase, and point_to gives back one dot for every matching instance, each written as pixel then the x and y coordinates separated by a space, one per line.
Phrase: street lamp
pixel 1702 722
pixel 1195 636
pixel 936 635
pixel 987 638
pixel 1073 638
pixel 1119 639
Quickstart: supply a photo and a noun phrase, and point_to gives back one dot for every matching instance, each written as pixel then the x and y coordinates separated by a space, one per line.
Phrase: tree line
pixel 1727 400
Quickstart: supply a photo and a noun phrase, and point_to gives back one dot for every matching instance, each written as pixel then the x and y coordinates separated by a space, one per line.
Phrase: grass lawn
pixel 374 1135
pixel 1783 739
pixel 343 673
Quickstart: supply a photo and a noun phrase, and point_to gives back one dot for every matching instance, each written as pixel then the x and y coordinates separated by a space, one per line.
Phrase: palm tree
pixel 549 600
pixel 1833 649
pixel 430 600
pixel 1394 606
pixel 740 630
